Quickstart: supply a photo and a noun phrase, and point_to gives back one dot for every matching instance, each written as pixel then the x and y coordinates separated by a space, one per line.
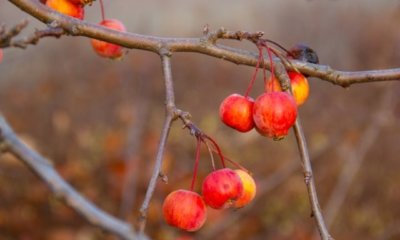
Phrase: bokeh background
pixel 91 116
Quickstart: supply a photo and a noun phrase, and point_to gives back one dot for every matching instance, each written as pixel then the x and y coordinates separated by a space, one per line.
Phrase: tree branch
pixel 7 37
pixel 205 45
pixel 309 180
pixel 169 118
pixel 9 142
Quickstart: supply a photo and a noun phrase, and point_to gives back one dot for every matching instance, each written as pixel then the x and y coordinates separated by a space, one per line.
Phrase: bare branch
pixel 305 160
pixel 43 168
pixel 222 33
pixel 309 180
pixel 7 37
pixel 169 118
pixel 205 45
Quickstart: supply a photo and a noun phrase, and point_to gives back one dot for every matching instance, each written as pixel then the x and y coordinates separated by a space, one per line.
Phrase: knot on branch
pixel 193 129
pixel 307 177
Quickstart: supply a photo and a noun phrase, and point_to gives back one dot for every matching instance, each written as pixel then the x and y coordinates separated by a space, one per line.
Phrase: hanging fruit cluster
pixel 274 112
pixel 222 188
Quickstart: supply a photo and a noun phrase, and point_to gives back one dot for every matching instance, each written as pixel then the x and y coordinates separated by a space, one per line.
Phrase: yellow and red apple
pixel 300 87
pixel 249 189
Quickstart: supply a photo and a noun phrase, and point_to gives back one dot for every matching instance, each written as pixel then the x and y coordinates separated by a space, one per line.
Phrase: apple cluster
pixel 75 8
pixel 272 114
pixel 221 189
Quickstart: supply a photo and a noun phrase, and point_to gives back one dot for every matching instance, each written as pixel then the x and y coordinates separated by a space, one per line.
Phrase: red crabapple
pixel 106 49
pixel 221 188
pixel 236 112
pixel 274 113
pixel 185 210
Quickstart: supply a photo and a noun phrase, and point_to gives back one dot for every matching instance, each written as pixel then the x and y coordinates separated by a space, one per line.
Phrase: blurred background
pixel 91 116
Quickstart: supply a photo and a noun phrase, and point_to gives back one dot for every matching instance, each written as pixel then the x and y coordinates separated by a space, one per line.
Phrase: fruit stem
pixel 272 67
pixel 103 17
pixel 264 69
pixel 210 151
pixel 253 78
pixel 196 162
pixel 284 60
pixel 218 150
pixel 238 165
pixel 279 46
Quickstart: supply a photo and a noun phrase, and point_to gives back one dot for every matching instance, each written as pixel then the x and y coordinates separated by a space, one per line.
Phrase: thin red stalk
pixel 264 69
pixel 218 150
pixel 210 151
pixel 238 165
pixel 272 66
pixel 253 79
pixel 103 15
pixel 284 59
pixel 278 45
pixel 196 163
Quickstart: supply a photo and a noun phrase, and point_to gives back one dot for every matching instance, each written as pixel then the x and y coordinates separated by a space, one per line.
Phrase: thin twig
pixel 305 160
pixel 6 35
pixel 169 118
pixel 309 180
pixel 204 45
pixel 44 169
pixel 7 38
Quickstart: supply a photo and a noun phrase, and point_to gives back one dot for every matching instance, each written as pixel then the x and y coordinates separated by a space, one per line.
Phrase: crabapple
pixel 300 87
pixel 274 113
pixel 249 189
pixel 106 49
pixel 67 7
pixel 236 112
pixel 185 210
pixel 221 188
